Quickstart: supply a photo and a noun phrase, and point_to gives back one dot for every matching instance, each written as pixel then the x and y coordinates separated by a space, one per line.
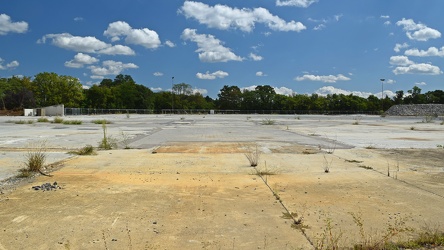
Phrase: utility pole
pixel 172 95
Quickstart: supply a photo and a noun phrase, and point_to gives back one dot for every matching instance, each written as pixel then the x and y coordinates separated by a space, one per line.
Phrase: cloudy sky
pixel 296 46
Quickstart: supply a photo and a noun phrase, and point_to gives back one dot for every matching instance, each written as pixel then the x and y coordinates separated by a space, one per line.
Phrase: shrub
pixel 72 122
pixel 42 119
pixel 101 121
pixel 57 120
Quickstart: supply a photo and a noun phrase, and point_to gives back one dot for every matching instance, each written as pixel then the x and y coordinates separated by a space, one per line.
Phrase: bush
pixel 58 120
pixel 101 121
pixel 42 119
pixel 87 150
pixel 72 122
pixel 35 157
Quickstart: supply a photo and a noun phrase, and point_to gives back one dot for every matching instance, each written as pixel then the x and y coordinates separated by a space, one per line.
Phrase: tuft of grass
pixel 86 150
pixel 357 120
pixel 34 159
pixel 265 171
pixel 57 120
pixel 42 119
pixel 125 140
pixel 24 122
pixel 268 121
pixel 370 147
pixel 253 155
pixel 101 121
pixel 72 122
pixel 428 119
pixel 24 173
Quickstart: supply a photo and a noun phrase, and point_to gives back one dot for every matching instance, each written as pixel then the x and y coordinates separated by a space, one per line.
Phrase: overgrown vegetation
pixel 57 120
pixel 86 150
pixel 101 121
pixel 35 159
pixel 42 119
pixel 72 122
pixel 107 142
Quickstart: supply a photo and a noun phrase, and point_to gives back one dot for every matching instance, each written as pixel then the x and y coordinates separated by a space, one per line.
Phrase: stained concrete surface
pixel 186 183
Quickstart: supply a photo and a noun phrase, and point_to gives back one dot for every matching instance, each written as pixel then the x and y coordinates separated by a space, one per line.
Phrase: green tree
pixel 230 97
pixel 266 95
pixel 52 89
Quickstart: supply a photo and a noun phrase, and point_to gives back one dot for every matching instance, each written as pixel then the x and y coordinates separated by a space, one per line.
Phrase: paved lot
pixel 186 183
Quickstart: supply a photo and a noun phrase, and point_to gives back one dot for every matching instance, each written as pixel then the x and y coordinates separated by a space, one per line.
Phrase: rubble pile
pixel 416 110
pixel 47 187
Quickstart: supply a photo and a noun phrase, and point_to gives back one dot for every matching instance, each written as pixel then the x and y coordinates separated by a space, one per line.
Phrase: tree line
pixel 123 92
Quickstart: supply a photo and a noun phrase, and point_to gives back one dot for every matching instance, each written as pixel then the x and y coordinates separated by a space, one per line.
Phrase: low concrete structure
pixel 54 110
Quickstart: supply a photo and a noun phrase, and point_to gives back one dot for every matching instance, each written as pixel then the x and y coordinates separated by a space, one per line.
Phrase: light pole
pixel 382 94
pixel 172 95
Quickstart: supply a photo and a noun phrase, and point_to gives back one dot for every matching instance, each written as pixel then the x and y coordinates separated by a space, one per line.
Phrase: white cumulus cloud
pixel 420 68
pixel 255 57
pixel 224 17
pixel 110 67
pixel 432 51
pixel 158 74
pixel 86 44
pixel 296 3
pixel 210 49
pixel 80 60
pixel 399 46
pixel 144 37
pixel 328 78
pixel 11 65
pixel 260 73
pixel 7 26
pixel 170 44
pixel 418 31
pixel 330 90
pixel 400 60
pixel 212 76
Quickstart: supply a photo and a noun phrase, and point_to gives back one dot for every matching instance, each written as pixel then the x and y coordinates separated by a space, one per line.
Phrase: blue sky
pixel 296 46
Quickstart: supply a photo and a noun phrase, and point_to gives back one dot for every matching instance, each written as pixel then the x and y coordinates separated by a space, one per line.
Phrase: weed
pixel 268 121
pixel 34 159
pixel 429 237
pixel 125 140
pixel 440 146
pixel 366 167
pixel 329 239
pixel 87 150
pixel 330 147
pixel 127 114
pixel 412 128
pixel 428 119
pixel 42 119
pixel 253 155
pixel 370 147
pixel 357 120
pixel 58 120
pixel 72 122
pixel 327 164
pixel 265 171
pixel 101 121
pixel 24 122
pixel 107 142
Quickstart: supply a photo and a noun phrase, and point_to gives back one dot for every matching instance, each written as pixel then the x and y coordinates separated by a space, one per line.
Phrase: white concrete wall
pixel 55 110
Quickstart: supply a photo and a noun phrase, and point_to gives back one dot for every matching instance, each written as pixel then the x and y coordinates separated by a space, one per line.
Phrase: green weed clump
pixel 101 121
pixel 57 120
pixel 72 122
pixel 34 159
pixel 42 119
